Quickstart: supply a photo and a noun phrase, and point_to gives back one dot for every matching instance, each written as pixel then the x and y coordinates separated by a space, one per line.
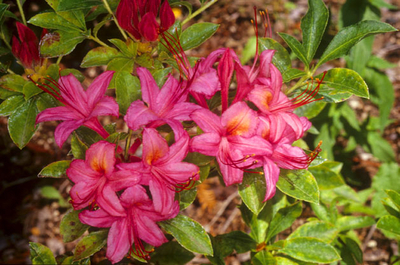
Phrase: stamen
pixel 315 153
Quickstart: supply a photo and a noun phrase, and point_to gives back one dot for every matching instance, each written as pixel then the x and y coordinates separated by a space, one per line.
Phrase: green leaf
pixel 186 198
pixel 299 184
pixel 379 63
pixel 281 57
pixel 349 36
pixel 65 5
pixel 55 170
pixel 41 255
pixel 352 248
pixel 310 110
pixel 21 124
pixel 321 230
pixel 128 89
pixel 99 56
pixel 264 258
pixel 383 3
pixel 326 178
pixel 71 227
pixel 389 223
pixel 60 43
pixel 49 192
pixel 3 9
pixel 313 26
pixel 284 219
pixel 252 191
pixel 45 101
pixel 296 47
pixel 8 106
pixel 258 223
pixel 354 222
pixel 395 197
pixel 88 136
pixel 161 75
pixel 90 244
pixel 51 20
pixel 190 234
pixel 128 48
pixel 380 147
pixel 78 148
pixel 76 17
pixel 196 34
pixel 119 65
pixel 292 73
pixel 310 250
pixel 249 50
pixel 171 253
pixel 13 82
pixel 340 83
pixel 30 90
pixel 290 261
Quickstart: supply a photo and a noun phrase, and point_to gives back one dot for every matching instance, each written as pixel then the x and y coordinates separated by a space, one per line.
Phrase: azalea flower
pixel 138 17
pixel 96 179
pixel 162 168
pixel 80 107
pixel 163 106
pixel 26 49
pixel 137 222
pixel 231 138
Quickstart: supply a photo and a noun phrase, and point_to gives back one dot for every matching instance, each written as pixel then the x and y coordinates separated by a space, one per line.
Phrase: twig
pixel 368 237
pixel 229 220
pixel 221 211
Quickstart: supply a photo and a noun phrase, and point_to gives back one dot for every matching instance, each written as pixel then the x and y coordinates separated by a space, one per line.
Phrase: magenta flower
pixel 26 49
pixel 163 106
pixel 96 179
pixel 162 168
pixel 80 107
pixel 231 139
pixel 137 222
pixel 138 17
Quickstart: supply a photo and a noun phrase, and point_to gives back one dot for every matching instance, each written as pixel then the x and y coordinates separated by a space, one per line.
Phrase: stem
pixel 59 60
pixel 98 41
pixel 115 19
pixel 10 71
pixel 128 144
pixel 21 11
pixel 301 81
pixel 198 11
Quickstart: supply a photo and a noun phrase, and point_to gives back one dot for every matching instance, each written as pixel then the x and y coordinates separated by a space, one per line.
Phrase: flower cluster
pixel 129 193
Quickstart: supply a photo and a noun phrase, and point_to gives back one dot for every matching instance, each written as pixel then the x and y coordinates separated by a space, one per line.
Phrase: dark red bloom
pixel 26 49
pixel 139 18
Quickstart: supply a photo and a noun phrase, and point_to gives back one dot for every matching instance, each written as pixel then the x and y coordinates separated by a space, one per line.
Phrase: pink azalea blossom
pixel 136 222
pixel 231 138
pixel 162 168
pixel 96 179
pixel 163 106
pixel 80 107
pixel 139 18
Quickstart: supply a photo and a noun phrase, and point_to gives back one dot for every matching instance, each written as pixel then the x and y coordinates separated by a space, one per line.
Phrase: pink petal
pixel 171 93
pixel 261 96
pixel 225 72
pixel 244 85
pixel 178 151
pixel 64 129
pixel 106 106
pixel 109 201
pixel 123 179
pixel 138 115
pixel 276 79
pixel 265 63
pixel 101 157
pixel 78 171
pixel 179 172
pixel 271 173
pixel 239 119
pixel 132 195
pixel 182 111
pixel 154 146
pixel 206 144
pixel 74 95
pixel 294 122
pixel 119 241
pixel 150 232
pixel 97 218
pixel 163 196
pixel 255 146
pixel 207 121
pixel 97 89
pixel 149 86
pixel 231 175
pixel 290 157
pixel 58 114
pixel 83 194
pixel 206 83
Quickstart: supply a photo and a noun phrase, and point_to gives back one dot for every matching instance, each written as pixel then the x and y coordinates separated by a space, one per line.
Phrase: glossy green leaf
pixel 380 147
pixel 13 82
pixel 8 106
pixel 60 43
pixel 41 255
pixel 258 224
pixel 264 258
pixel 340 83
pixel 65 5
pixel 389 223
pixel 379 63
pixel 354 222
pixel 21 124
pixel 78 148
pixel 290 261
pixel 352 248
pixel 51 20
pixel 171 253
pixel 119 65
pixel 49 192
pixel 321 230
pixel 3 9
pixel 90 244
pixel 310 110
pixel 196 34
pixel 299 184
pixel 45 101
pixel 71 227
pixel 128 89
pixel 99 56
pixel 349 36
pixel 161 75
pixel 395 197
pixel 313 26
pixel 281 57
pixel 55 170
pixel 186 198
pixel 296 47
pixel 284 219
pixel 310 250
pixel 76 17
pixel 326 178
pixel 292 73
pixel 384 4
pixel 30 90
pixel 190 234
pixel 252 191
pixel 128 48
pixel 88 136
